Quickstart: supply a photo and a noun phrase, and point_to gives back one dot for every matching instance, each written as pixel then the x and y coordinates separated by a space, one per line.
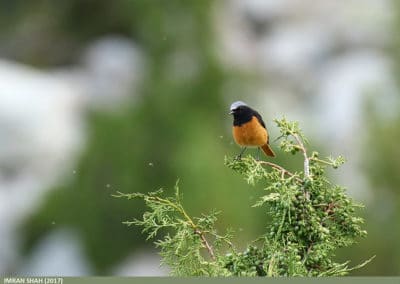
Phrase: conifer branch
pixel 178 208
pixel 309 219
pixel 182 211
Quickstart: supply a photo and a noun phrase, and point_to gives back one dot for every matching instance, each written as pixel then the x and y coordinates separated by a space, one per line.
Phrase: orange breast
pixel 250 133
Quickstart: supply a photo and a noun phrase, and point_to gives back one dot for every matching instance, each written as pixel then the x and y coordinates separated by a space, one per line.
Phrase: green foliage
pixel 185 238
pixel 310 218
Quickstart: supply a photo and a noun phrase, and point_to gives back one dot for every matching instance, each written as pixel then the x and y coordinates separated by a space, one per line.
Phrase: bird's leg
pixel 239 157
pixel 258 154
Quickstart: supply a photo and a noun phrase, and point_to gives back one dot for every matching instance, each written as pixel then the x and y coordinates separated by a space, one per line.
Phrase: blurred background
pixel 98 96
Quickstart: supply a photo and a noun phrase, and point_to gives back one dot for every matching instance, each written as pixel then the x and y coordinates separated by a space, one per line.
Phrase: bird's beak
pixel 231 112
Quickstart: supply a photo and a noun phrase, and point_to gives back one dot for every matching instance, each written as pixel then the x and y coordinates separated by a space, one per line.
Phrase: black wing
pixel 260 120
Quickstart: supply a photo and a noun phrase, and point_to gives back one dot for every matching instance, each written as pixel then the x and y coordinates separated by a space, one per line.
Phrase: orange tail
pixel 267 150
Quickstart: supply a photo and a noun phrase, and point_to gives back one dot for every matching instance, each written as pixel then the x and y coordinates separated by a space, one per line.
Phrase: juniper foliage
pixel 310 218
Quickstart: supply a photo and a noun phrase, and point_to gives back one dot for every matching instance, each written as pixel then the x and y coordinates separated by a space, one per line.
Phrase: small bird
pixel 249 129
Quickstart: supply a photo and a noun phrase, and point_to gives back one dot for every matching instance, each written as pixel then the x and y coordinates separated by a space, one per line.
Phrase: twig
pixel 283 170
pixel 229 243
pixel 304 151
pixel 205 243
pixel 302 148
pixel 270 266
pixel 321 161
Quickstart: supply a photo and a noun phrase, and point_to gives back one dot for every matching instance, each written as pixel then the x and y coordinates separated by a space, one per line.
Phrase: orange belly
pixel 250 133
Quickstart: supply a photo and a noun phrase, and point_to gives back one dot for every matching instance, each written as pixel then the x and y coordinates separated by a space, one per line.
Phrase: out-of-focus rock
pixel 42 124
pixel 60 251
pixel 141 263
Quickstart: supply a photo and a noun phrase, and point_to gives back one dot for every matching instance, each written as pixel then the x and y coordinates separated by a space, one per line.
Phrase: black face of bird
pixel 241 113
pixel 239 110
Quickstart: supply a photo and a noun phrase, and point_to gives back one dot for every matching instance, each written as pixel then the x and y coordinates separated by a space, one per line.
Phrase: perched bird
pixel 249 129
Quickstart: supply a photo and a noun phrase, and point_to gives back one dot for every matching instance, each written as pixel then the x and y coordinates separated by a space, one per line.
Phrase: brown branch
pixel 205 243
pixel 329 210
pixel 283 170
pixel 230 244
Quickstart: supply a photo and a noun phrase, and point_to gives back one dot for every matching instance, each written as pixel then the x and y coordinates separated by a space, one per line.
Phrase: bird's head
pixel 238 107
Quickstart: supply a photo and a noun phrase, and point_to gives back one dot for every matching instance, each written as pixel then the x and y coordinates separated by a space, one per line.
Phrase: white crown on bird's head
pixel 237 104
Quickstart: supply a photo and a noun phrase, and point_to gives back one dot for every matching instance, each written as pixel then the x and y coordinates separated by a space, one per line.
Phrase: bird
pixel 249 129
